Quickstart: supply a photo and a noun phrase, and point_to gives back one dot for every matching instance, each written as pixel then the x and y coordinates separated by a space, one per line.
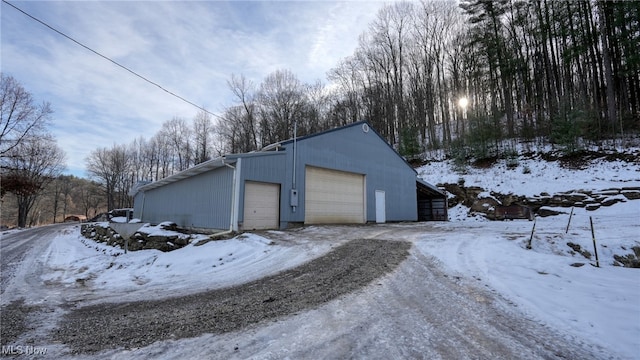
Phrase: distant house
pixel 348 175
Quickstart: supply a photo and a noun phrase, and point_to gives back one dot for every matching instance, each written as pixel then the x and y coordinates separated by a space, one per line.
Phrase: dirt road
pixel 372 298
pixel 19 266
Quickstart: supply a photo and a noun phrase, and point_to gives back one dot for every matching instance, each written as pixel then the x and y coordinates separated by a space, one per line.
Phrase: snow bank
pixel 114 276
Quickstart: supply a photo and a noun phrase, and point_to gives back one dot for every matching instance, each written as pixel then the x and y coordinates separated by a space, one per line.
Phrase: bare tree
pixel 178 136
pixel 68 182
pixel 56 191
pixel 316 109
pixel 244 112
pixel 232 129
pixel 164 155
pixel 90 197
pixel 281 99
pixel 19 116
pixel 109 167
pixel 60 195
pixel 28 167
pixel 202 134
pixel 347 77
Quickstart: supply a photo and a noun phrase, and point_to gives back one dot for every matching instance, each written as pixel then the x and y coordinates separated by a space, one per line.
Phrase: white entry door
pixel 381 212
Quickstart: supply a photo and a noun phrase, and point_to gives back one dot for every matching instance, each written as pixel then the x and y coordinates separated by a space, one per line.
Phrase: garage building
pixel 348 175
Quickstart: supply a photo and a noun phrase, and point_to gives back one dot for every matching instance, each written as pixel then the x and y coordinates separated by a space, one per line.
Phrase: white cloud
pixel 189 48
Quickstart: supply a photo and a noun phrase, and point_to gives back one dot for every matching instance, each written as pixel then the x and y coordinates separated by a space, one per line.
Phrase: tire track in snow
pixel 130 325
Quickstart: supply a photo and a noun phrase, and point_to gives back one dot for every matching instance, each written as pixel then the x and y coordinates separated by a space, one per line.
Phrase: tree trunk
pixel 608 69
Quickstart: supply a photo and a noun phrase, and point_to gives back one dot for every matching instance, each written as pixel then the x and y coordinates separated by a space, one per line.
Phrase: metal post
pixel 593 236
pixel 531 237
pixel 295 160
pixel 570 215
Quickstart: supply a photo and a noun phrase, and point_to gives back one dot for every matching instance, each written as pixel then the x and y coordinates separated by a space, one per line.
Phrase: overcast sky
pixel 190 48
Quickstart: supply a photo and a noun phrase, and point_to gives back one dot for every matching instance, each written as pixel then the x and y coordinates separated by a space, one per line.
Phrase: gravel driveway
pixel 343 270
pixel 367 298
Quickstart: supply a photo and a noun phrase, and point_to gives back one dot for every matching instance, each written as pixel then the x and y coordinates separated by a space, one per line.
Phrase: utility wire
pixel 109 59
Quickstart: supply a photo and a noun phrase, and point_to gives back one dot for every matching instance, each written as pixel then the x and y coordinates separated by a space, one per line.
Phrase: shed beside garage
pixel 348 175
pixel 432 202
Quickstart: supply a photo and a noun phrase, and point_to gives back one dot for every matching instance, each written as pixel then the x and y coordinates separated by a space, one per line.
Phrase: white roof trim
pixel 199 169
pixel 196 170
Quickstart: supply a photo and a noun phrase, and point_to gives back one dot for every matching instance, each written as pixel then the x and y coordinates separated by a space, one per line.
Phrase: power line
pixel 109 59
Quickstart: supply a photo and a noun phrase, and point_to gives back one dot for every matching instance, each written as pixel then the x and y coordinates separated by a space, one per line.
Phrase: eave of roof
pixel 199 169
pixel 196 170
pixel 429 188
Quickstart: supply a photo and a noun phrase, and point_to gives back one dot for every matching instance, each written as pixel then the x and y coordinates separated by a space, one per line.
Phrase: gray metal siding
pixel 205 200
pixel 266 167
pixel 138 202
pixel 353 150
pixel 201 201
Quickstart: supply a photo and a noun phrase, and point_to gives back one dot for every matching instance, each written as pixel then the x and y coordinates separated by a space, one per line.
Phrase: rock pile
pixel 629 260
pixel 141 240
pixel 481 201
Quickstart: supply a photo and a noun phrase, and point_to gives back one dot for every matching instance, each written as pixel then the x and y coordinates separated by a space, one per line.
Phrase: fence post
pixel 570 215
pixel 531 237
pixel 593 236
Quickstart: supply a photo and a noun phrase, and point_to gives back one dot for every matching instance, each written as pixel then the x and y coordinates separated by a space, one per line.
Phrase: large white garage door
pixel 333 197
pixel 261 206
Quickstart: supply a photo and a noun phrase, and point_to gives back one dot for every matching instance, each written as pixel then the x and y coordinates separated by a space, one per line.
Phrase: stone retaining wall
pixel 588 199
pixel 101 232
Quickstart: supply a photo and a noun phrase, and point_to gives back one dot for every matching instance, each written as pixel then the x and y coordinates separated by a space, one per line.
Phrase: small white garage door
pixel 333 197
pixel 261 206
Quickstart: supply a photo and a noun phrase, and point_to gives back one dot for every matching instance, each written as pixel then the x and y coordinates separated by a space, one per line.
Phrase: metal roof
pixel 268 150
pixel 277 145
pixel 196 170
pixel 429 189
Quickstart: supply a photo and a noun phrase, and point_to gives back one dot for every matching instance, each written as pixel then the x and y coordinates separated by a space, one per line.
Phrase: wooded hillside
pixel 469 77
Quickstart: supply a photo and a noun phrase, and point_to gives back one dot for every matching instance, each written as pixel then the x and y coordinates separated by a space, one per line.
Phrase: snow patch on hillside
pixel 540 176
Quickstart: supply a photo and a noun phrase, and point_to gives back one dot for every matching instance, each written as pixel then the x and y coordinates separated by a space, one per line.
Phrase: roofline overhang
pixel 196 170
pixel 281 144
pixel 430 188
pixel 199 169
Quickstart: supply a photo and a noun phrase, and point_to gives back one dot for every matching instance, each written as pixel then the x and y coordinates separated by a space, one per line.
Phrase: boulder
pixel 138 241
pixel 592 207
pixel 631 194
pixel 547 212
pixel 629 260
pixel 485 205
pixel 611 201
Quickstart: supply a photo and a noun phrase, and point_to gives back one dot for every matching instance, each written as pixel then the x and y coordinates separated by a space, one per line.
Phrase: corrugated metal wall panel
pixel 265 167
pixel 138 201
pixel 201 201
pixel 353 150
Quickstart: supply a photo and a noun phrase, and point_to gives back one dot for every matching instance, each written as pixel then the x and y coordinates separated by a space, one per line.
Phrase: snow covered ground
pixel 599 304
pixel 533 176
pixel 596 305
pixel 139 275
